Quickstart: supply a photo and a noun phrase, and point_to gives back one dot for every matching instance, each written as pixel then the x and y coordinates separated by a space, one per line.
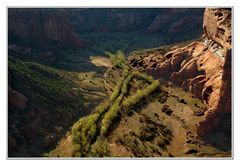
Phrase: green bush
pixel 100 148
pixel 117 90
pixel 103 107
pixel 109 116
pixel 118 59
pixel 132 100
pixel 83 133
pixel 142 76
pixel 115 109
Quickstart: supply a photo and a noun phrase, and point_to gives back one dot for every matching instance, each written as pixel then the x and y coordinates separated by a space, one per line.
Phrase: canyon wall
pixel 217 27
pixel 61 24
pixel 202 67
pixel 46 23
pixel 47 31
pixel 150 20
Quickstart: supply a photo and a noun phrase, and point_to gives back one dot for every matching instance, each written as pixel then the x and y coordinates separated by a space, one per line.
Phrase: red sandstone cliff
pixel 202 67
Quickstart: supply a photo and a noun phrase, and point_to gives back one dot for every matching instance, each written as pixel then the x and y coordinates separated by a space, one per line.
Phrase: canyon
pixel 72 93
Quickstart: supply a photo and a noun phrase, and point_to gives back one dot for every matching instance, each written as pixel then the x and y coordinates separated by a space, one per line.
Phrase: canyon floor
pixel 163 124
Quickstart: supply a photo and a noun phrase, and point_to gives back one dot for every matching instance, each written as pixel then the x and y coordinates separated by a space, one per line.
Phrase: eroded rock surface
pixel 202 67
pixel 217 26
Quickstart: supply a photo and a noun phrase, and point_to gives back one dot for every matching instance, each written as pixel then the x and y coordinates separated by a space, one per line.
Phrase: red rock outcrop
pixel 217 26
pixel 202 67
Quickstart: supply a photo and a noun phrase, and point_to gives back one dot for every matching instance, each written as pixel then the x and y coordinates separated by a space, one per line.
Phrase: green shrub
pixel 143 77
pixel 103 107
pixel 100 148
pixel 84 131
pixel 132 100
pixel 109 116
pixel 116 90
pixel 115 109
pixel 118 59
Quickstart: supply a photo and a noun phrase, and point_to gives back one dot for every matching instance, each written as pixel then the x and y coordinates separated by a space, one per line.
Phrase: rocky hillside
pixel 203 67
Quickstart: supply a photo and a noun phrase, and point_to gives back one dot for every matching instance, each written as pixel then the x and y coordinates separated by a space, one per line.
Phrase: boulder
pixel 16 99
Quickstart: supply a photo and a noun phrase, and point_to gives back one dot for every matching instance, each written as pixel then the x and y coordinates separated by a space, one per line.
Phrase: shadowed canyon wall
pixel 42 23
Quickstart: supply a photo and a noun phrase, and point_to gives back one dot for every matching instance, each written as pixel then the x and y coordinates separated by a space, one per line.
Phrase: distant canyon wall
pixel 146 20
pixel 68 24
pixel 41 23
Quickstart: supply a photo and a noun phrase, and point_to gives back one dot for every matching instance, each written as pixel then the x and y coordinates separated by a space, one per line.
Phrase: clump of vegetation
pixel 116 90
pixel 118 59
pixel 51 97
pixel 100 148
pixel 132 100
pixel 45 85
pixel 112 113
pixel 167 110
pixel 149 139
pixel 84 132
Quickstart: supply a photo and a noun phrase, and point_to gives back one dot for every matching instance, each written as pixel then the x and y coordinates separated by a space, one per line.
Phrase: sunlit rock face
pixel 217 26
pixel 202 67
